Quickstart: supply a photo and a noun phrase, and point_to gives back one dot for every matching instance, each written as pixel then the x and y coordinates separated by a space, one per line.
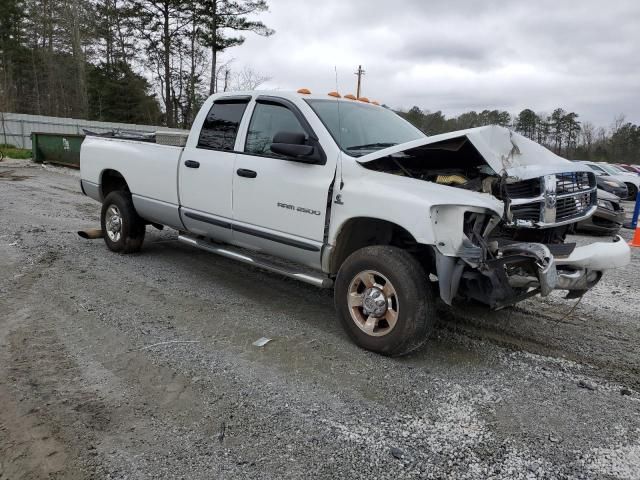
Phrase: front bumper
pixel 599 256
pixel 516 270
pixel 577 272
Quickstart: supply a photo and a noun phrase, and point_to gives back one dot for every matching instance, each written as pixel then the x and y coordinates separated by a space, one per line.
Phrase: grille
pixel 524 189
pixel 552 199
pixel 530 211
pixel 573 182
pixel 572 207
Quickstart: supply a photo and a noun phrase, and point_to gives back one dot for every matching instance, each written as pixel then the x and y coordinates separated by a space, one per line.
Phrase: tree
pixel 11 16
pixel 248 79
pixel 572 131
pixel 624 144
pixel 556 124
pixel 161 24
pixel 117 94
pixel 221 20
pixel 527 123
pixel 588 135
pixel 415 117
pixel 468 120
pixel 494 117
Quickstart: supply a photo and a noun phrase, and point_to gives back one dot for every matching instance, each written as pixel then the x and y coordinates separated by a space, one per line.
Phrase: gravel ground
pixel 142 366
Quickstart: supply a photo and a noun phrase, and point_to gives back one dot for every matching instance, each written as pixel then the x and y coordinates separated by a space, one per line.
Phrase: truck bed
pixel 151 169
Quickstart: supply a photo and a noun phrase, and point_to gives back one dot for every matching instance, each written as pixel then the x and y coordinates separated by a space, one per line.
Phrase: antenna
pixel 360 73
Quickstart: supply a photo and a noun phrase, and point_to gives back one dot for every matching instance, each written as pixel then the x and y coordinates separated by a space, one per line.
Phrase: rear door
pixel 206 170
pixel 280 204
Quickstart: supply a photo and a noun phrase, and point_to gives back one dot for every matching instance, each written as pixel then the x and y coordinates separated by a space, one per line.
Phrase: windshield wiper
pixel 371 145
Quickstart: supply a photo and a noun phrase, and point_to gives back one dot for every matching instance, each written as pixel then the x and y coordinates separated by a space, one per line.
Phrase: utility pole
pixel 359 74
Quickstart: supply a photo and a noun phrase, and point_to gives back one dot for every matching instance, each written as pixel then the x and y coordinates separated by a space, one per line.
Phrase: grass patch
pixel 11 151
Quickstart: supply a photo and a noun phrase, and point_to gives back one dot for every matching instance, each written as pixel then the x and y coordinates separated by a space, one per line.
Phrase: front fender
pixel 407 202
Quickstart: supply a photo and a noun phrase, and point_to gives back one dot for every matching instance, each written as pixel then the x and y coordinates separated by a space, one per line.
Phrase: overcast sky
pixel 459 55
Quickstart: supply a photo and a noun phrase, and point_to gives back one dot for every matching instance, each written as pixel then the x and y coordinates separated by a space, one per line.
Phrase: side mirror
pixel 293 144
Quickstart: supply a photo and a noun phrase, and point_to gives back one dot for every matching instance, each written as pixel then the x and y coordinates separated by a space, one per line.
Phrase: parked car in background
pixel 613 186
pixel 607 219
pixel 611 172
pixel 629 168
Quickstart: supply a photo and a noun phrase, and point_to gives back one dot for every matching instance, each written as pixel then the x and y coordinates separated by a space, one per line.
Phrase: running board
pixel 313 279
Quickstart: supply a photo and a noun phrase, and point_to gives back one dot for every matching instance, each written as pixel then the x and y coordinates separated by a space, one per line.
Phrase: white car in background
pixel 631 180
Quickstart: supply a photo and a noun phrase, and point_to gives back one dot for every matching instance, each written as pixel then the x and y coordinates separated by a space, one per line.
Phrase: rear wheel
pixel 633 191
pixel 122 227
pixel 383 300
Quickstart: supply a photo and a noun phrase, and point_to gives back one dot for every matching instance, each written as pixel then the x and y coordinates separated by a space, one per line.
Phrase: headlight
pixel 605 204
pixel 612 184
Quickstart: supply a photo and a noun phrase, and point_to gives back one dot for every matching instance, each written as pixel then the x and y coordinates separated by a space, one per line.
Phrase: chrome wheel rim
pixel 373 303
pixel 113 223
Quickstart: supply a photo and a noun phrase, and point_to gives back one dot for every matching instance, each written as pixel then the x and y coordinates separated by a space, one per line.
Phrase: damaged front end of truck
pixel 503 259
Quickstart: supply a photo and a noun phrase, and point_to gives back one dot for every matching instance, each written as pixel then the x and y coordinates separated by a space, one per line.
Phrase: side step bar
pixel 312 278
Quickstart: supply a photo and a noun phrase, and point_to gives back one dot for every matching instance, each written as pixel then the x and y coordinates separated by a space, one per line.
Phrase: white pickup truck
pixel 344 193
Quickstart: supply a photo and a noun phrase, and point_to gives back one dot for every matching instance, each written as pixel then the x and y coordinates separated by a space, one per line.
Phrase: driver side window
pixel 267 120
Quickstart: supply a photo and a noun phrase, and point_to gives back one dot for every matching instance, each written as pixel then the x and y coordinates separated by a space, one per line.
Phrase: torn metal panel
pixel 505 151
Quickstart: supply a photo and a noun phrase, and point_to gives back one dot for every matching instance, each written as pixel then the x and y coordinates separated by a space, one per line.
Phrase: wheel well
pixel 357 233
pixel 112 181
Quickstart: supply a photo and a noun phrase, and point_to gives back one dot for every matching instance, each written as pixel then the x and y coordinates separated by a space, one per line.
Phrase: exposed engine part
pixel 535 203
pixel 451 180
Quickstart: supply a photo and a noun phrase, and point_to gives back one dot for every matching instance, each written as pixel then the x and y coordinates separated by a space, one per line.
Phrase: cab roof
pixel 292 95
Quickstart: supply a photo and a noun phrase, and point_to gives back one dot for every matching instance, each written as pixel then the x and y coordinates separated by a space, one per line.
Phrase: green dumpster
pixel 59 148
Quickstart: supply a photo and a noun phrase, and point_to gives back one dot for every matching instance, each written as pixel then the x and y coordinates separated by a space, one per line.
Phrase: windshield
pixel 359 128
pixel 610 169
pixel 596 169
pixel 617 169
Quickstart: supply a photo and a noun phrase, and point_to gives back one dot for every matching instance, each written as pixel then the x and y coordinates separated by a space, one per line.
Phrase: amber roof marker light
pixel 350 96
pixel 304 91
pixel 334 94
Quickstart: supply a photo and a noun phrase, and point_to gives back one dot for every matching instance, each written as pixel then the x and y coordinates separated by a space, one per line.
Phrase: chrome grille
pixel 573 182
pixel 554 199
pixel 526 189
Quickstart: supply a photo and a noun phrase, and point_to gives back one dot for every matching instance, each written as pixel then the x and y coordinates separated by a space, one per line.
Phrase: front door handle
pixel 192 164
pixel 243 172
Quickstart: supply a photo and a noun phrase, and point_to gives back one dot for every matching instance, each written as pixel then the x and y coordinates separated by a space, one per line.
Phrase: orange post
pixel 635 242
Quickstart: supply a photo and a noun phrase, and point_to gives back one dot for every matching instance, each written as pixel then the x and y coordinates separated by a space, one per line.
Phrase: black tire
pixel 132 227
pixel 633 191
pixel 416 306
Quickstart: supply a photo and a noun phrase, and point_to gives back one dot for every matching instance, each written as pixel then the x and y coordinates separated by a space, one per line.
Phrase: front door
pixel 279 204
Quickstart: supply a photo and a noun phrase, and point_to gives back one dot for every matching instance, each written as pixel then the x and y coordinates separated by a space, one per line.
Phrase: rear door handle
pixel 243 172
pixel 192 164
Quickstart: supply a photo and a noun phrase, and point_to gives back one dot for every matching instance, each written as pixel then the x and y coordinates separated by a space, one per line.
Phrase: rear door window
pixel 220 128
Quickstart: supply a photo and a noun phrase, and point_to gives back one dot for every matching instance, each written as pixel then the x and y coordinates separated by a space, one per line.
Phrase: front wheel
pixel 123 229
pixel 633 191
pixel 383 300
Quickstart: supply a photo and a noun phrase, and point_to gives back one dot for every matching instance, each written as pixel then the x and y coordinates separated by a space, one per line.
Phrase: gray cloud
pixel 461 54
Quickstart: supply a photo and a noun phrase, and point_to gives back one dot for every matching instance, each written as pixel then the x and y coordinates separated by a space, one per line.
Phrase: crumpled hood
pixel 504 150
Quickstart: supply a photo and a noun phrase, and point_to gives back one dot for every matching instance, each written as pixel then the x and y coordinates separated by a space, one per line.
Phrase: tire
pixel 633 191
pixel 127 237
pixel 408 301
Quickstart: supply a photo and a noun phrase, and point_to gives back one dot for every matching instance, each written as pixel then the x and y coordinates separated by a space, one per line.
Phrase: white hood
pixel 504 150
